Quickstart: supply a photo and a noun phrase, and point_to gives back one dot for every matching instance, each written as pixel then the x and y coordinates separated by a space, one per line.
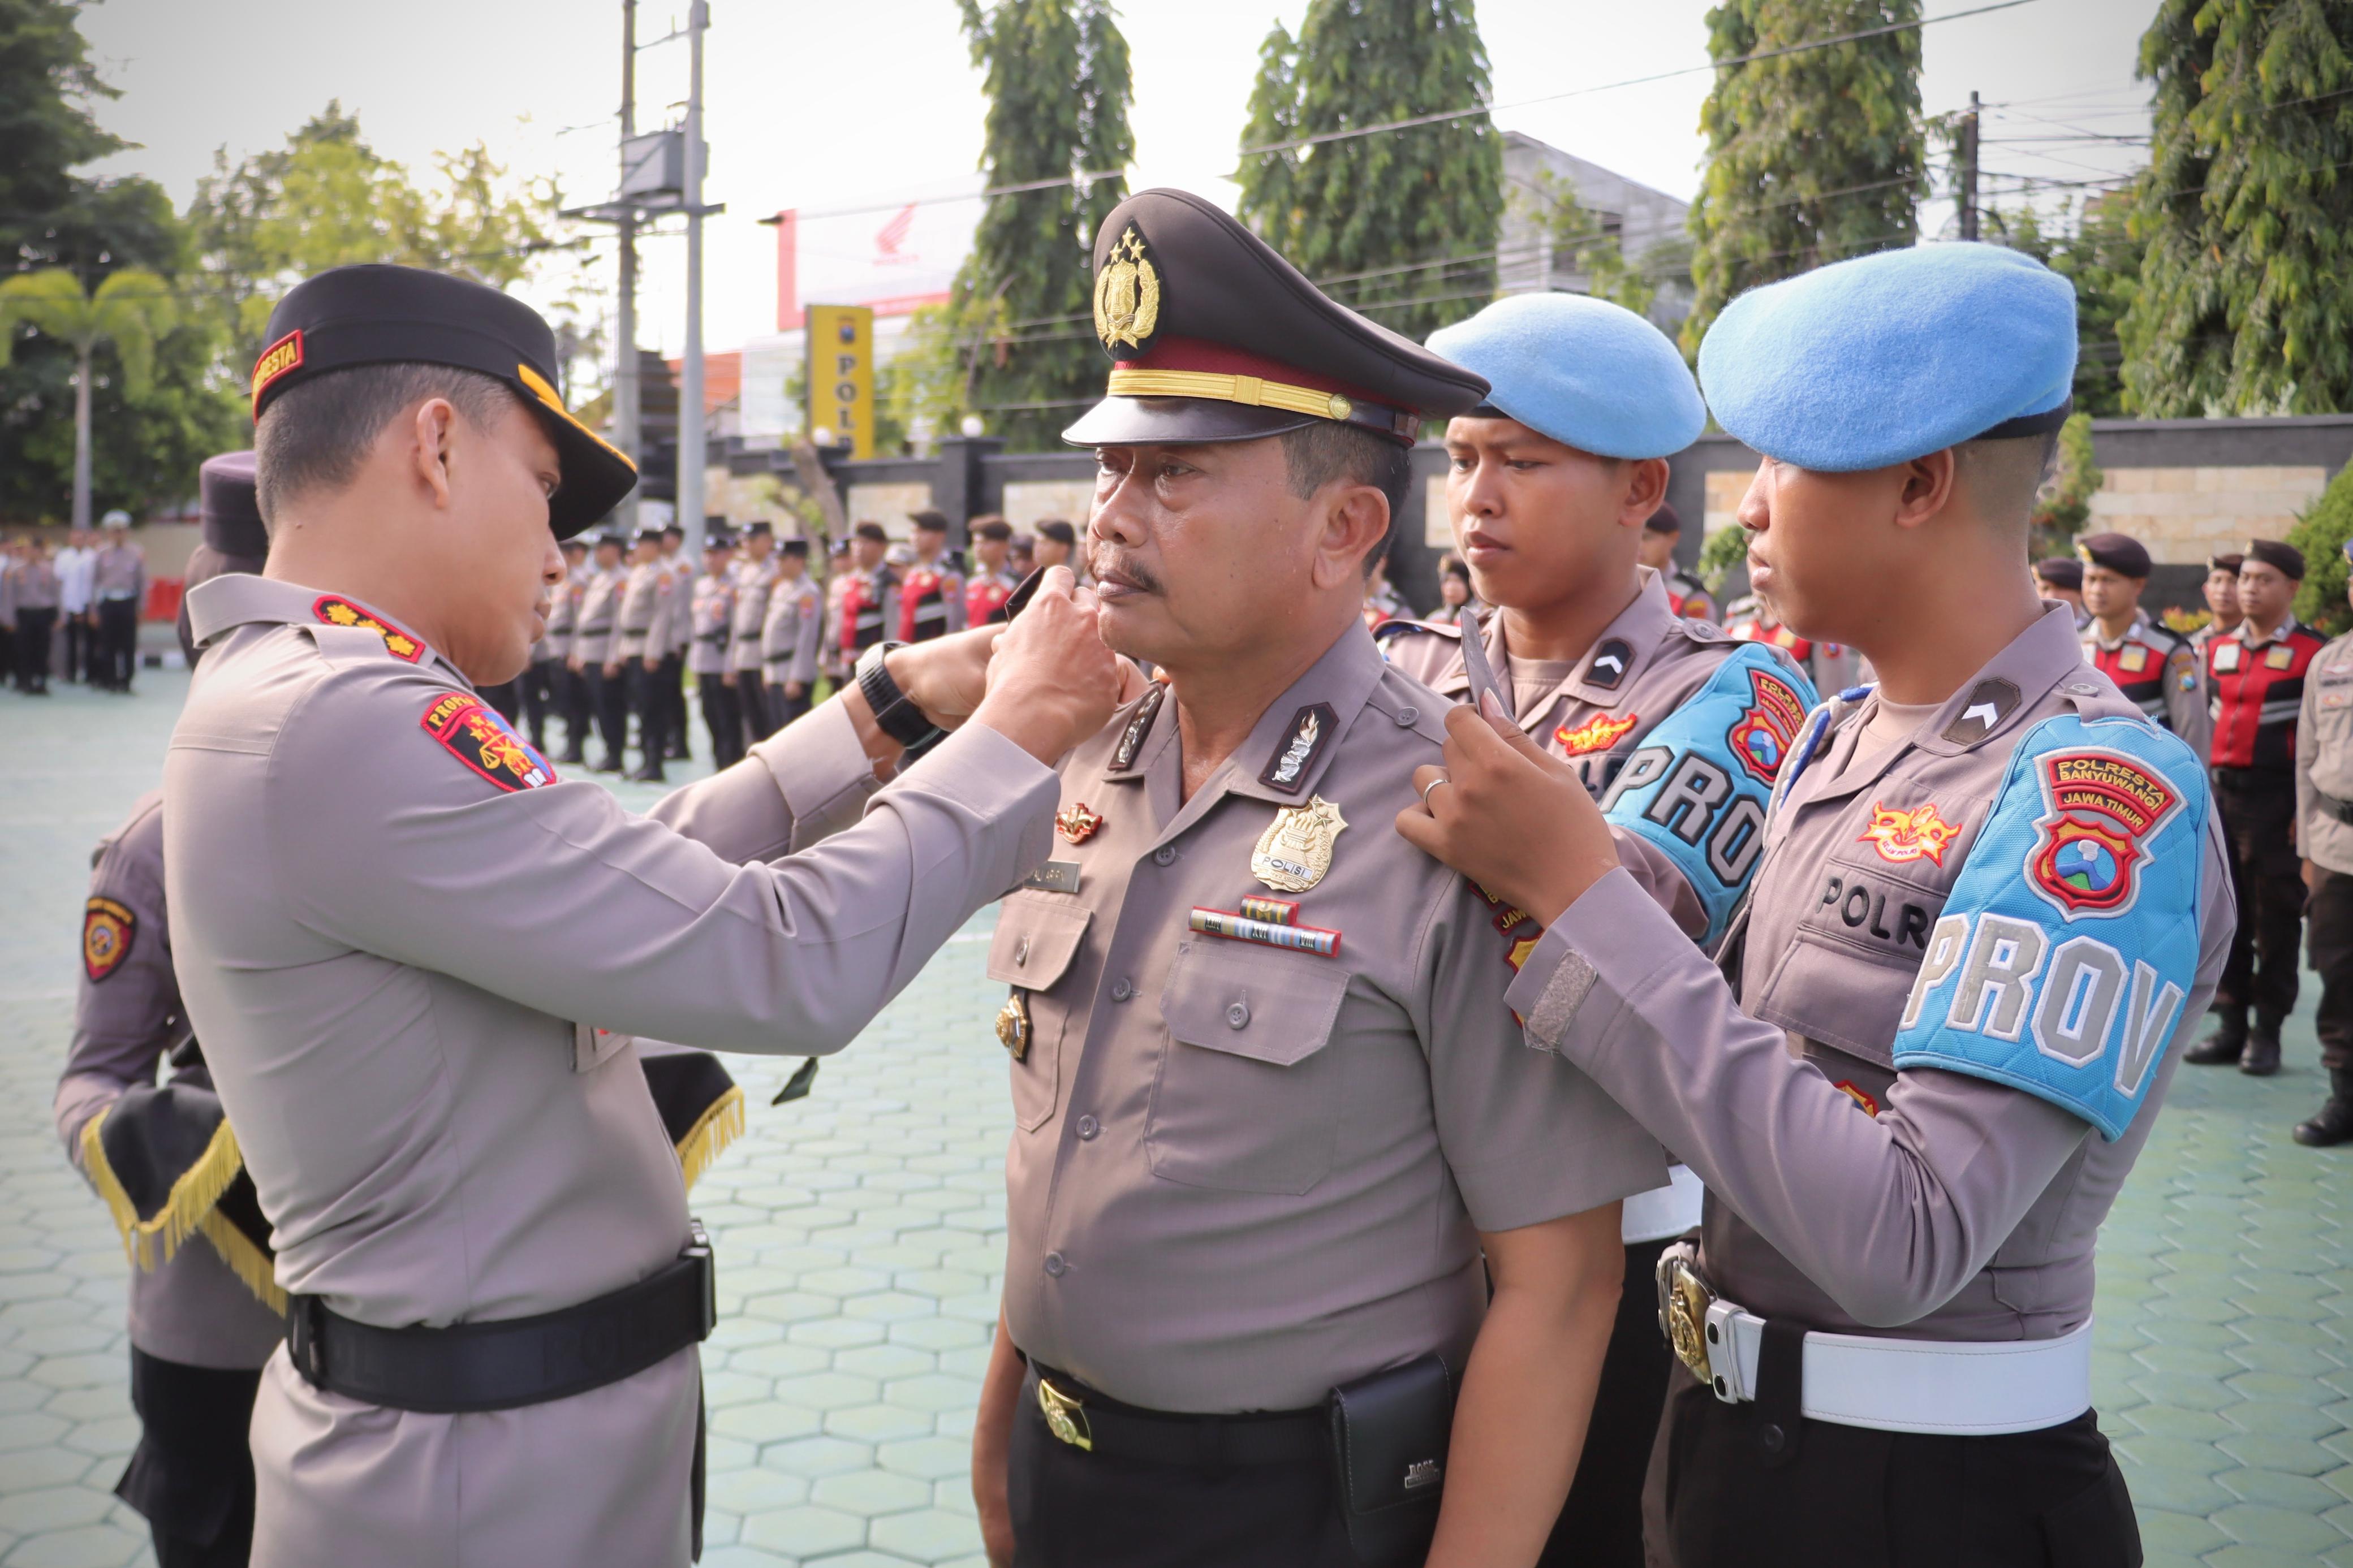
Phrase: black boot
pixel 2225 1044
pixel 2332 1123
pixel 650 772
pixel 2262 1056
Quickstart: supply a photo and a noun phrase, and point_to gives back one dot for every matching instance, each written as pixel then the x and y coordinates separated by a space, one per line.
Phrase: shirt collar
pixel 1638 632
pixel 220 604
pixel 2280 634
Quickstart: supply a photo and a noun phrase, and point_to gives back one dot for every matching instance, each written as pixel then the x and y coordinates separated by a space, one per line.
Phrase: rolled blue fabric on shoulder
pixel 1588 373
pixel 1895 355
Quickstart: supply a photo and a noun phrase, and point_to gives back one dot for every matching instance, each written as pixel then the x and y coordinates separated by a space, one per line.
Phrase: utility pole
pixel 690 392
pixel 1967 197
pixel 625 385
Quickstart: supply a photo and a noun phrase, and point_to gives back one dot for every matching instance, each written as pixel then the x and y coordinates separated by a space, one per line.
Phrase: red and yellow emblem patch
pixel 1076 824
pixel 276 360
pixel 1905 835
pixel 1870 1107
pixel 478 736
pixel 1762 737
pixel 1598 733
pixel 107 929
pixel 2103 808
pixel 332 611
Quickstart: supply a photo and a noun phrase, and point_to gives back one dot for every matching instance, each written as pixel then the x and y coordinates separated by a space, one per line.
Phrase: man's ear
pixel 1924 487
pixel 431 433
pixel 1353 527
pixel 1646 488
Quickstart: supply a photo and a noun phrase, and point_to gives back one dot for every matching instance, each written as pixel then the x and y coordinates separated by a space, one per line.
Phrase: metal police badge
pixel 1295 850
pixel 1013 1026
pixel 1127 296
pixel 107 929
pixel 1076 824
pixel 2101 808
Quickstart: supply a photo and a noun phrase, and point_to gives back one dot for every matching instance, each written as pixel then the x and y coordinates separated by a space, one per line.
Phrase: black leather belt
pixel 2342 810
pixel 1078 1416
pixel 515 1361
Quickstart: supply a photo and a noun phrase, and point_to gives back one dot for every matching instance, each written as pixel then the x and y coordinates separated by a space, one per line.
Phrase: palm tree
pixel 131 308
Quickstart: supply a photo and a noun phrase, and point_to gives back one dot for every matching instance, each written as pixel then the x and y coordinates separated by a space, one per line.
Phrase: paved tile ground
pixel 860 1236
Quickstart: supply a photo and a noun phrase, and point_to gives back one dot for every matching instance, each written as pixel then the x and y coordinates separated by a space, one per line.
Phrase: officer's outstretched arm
pixel 434 850
pixel 2023 1037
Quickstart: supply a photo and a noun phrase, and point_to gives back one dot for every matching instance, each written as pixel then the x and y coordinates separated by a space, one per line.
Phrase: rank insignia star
pixel 331 610
pixel 1076 824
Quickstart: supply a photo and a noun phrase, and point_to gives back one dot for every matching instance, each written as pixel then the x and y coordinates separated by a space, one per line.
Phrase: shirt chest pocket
pixel 1247 1096
pixel 1038 935
pixel 1851 960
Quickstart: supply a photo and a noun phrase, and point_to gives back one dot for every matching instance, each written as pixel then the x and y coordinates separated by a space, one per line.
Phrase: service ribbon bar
pixel 1241 928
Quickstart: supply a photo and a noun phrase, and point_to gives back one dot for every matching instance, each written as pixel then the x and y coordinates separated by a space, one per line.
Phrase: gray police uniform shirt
pixel 1923 1202
pixel 127 1018
pixel 753 581
pixel 711 618
pixel 2165 672
pixel 417 960
pixel 120 572
pixel 594 637
pixel 2323 758
pixel 1243 1171
pixel 643 627
pixel 789 637
pixel 1596 715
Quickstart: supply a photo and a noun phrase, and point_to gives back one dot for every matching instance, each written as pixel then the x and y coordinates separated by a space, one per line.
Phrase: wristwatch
pixel 895 713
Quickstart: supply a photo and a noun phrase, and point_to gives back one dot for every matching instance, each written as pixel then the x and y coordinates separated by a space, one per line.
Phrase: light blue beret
pixel 1891 356
pixel 1588 373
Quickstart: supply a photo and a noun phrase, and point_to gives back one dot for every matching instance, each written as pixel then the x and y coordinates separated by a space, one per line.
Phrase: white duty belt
pixel 1950 1388
pixel 1663 1212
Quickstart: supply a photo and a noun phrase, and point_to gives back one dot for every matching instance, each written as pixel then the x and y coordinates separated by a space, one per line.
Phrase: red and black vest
pixel 2137 665
pixel 2257 693
pixel 922 604
pixel 862 611
pixel 985 595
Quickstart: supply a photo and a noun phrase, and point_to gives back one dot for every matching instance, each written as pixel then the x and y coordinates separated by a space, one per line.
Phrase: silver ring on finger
pixel 1431 785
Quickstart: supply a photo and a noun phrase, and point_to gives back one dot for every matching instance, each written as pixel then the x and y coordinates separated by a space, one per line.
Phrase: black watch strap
pixel 895 714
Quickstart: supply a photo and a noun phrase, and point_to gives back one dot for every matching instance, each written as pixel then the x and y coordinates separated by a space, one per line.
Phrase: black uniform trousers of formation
pixel 784 709
pixel 573 700
pixel 752 709
pixel 648 700
pixel 34 629
pixel 609 696
pixel 1745 1486
pixel 539 697
pixel 2328 917
pixel 1073 1509
pixel 81 639
pixel 192 1474
pixel 118 643
pixel 724 716
pixel 673 700
pixel 2258 807
pixel 506 696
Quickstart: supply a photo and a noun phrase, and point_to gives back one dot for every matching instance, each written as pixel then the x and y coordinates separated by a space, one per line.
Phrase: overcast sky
pixel 817 107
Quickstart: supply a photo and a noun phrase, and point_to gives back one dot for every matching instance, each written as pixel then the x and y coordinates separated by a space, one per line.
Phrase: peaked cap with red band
pixel 1215 337
pixel 376 314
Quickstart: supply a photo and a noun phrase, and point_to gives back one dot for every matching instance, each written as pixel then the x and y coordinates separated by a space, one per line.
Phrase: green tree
pixel 2093 248
pixel 1401 225
pixel 1056 72
pixel 2064 503
pixel 327 199
pixel 2321 532
pixel 2246 303
pixel 46 84
pixel 1580 242
pixel 1812 157
pixel 130 310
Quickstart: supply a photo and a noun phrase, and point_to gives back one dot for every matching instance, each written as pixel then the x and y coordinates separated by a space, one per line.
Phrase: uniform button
pixel 1122 989
pixel 1087 1128
pixel 1055 1265
pixel 1238 1015
pixel 1772 1437
pixel 1164 856
pixel 1021 951
pixel 1407 717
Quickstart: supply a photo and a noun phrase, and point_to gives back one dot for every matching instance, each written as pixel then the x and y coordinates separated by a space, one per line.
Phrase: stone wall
pixel 2185 514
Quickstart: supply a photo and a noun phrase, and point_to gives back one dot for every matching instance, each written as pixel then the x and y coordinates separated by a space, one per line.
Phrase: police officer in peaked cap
pixel 418 956
pixel 1991 892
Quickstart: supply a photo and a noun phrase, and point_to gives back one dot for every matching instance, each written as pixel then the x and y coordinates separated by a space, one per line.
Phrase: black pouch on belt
pixel 1389 1432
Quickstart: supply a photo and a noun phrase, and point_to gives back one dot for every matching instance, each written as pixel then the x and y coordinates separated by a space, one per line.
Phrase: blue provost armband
pixel 1697 788
pixel 2069 942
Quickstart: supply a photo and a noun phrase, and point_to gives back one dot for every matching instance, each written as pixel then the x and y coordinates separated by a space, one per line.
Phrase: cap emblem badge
pixel 1295 850
pixel 1127 295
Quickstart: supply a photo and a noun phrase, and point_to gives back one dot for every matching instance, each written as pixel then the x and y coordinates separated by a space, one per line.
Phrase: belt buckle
pixel 1684 1302
pixel 1066 1418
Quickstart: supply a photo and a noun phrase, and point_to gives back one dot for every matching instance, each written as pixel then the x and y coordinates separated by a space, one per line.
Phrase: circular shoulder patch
pixel 107 928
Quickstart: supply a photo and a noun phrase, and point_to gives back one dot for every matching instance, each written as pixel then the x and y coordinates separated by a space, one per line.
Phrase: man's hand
pixel 571 663
pixel 612 669
pixel 946 676
pixel 1511 819
pixel 2311 875
pixel 726 678
pixel 795 690
pixel 1052 682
